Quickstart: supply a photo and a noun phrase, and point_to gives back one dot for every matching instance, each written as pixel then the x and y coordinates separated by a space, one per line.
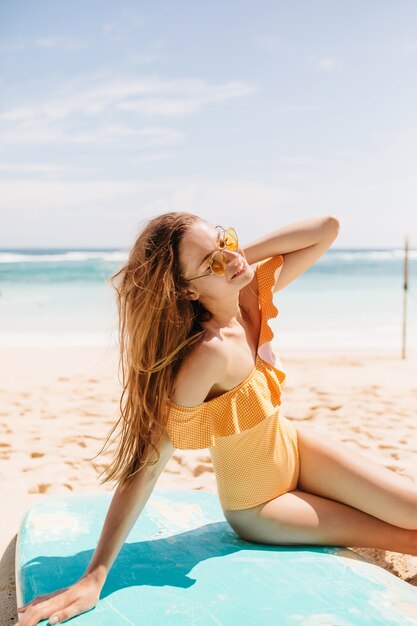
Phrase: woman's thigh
pixel 299 518
pixel 333 470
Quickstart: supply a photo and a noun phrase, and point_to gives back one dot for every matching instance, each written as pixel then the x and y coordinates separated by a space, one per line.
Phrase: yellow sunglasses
pixel 217 263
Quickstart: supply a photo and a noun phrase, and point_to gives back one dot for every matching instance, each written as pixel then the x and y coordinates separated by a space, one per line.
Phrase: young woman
pixel 199 371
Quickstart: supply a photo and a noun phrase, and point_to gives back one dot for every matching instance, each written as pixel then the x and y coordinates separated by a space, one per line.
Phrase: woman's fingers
pixel 38 612
pixel 44 608
pixel 38 599
pixel 62 604
pixel 35 614
pixel 63 615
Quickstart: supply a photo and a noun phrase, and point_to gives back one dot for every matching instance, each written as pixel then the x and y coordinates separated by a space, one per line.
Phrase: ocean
pixel 348 299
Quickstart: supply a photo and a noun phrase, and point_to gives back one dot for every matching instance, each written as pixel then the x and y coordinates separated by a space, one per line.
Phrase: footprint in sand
pixel 203 459
pixel 299 418
pixel 50 488
pixel 201 468
pixel 397 469
pixel 356 442
pixel 331 407
pixel 99 467
pixel 78 441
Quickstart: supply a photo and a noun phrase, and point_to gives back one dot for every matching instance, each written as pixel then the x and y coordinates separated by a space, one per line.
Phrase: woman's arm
pixel 125 507
pixel 293 237
pixel 301 245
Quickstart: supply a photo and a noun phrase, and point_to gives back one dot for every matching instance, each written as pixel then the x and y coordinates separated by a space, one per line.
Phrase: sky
pixel 253 114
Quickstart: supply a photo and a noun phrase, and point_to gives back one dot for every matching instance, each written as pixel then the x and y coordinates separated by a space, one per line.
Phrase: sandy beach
pixel 58 405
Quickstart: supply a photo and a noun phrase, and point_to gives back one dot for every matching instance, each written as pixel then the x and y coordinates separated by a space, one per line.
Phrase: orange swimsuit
pixel 253 448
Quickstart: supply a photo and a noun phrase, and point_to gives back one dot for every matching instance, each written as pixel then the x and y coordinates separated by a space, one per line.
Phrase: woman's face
pixel 201 240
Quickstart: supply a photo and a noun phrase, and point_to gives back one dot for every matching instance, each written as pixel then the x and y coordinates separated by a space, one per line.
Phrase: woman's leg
pixel 330 469
pixel 342 499
pixel 299 518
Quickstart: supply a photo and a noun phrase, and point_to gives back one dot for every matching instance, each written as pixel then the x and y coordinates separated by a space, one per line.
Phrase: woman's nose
pixel 230 255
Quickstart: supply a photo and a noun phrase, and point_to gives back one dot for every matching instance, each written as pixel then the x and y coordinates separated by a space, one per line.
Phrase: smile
pixel 240 270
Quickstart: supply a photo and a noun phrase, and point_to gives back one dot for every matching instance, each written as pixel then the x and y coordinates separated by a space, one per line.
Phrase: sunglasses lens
pixel 230 239
pixel 218 264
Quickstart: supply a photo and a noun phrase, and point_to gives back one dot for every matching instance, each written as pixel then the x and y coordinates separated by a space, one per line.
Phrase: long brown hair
pixel 157 326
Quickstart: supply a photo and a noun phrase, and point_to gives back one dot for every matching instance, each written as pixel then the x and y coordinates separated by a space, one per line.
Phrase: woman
pixel 199 371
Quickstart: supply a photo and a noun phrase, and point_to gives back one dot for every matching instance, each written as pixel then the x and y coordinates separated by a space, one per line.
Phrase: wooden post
pixel 405 295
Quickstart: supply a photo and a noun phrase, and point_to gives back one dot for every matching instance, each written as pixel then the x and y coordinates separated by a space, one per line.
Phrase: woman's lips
pixel 242 268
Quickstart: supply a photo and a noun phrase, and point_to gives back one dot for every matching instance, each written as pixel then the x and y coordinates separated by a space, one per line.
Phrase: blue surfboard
pixel 183 565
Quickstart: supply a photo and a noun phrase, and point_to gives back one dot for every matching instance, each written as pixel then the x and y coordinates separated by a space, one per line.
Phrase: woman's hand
pixel 62 604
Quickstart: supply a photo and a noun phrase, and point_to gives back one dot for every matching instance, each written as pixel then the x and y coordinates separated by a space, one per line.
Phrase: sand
pixel 58 405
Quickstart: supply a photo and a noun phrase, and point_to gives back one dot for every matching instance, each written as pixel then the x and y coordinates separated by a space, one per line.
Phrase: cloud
pixel 410 47
pixel 61 43
pixel 132 17
pixel 50 170
pixel 110 28
pixel 156 156
pixel 151 136
pixel 117 29
pixel 298 108
pixel 352 154
pixel 144 59
pixel 184 97
pixel 109 212
pixel 107 195
pixel 114 93
pixel 328 64
pixel 113 134
pixel 65 117
pixel 158 44
pixel 271 43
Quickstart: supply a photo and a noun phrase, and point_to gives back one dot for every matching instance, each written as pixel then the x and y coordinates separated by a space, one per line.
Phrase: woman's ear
pixel 190 295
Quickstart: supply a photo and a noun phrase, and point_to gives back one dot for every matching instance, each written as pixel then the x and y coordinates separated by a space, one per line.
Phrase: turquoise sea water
pixel 348 299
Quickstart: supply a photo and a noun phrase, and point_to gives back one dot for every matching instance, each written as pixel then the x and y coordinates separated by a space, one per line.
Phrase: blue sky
pixel 254 114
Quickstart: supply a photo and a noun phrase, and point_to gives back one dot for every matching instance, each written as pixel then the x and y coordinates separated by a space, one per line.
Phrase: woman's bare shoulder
pixel 200 370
